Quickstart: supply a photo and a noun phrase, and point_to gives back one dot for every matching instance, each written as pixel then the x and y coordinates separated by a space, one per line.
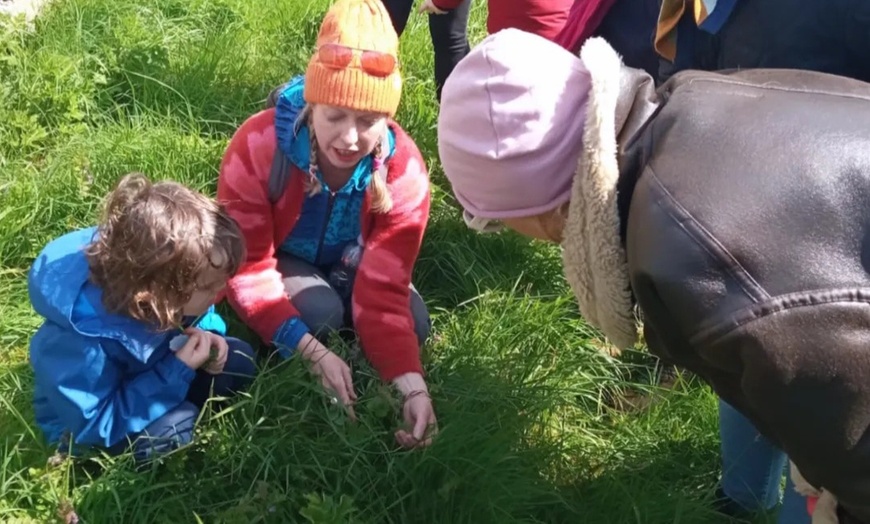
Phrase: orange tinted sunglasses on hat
pixel 375 63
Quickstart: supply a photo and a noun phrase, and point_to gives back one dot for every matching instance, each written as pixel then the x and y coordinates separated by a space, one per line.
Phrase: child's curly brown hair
pixel 154 243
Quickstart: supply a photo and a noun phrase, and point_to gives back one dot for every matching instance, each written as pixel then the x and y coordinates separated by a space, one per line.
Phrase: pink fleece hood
pixel 511 125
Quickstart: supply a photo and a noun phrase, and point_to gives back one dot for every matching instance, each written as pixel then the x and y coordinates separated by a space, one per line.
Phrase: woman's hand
pixel 417 410
pixel 334 373
pixel 428 6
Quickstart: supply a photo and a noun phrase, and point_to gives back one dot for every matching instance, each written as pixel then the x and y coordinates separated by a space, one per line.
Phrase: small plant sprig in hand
pixel 179 341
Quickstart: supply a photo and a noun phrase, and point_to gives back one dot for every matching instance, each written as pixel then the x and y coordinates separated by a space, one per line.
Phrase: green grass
pixel 98 88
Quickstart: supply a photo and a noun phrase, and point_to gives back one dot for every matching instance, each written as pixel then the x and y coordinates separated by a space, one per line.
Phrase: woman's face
pixel 546 226
pixel 345 136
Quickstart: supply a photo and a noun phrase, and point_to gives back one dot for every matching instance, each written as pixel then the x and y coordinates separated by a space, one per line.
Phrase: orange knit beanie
pixel 356 62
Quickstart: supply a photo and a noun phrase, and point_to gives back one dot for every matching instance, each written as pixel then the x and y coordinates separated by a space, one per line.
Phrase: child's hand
pixel 219 353
pixel 197 350
pixel 334 373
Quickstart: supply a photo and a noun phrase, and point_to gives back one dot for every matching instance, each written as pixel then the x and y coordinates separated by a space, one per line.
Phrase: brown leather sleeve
pixel 804 362
pixel 846 517
pixel 797 365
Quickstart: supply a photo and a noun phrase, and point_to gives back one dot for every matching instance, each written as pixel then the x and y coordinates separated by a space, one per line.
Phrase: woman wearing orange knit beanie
pixel 333 197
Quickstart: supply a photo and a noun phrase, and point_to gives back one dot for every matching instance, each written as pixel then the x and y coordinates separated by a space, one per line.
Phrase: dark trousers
pixel 448 33
pixel 321 307
pixel 175 428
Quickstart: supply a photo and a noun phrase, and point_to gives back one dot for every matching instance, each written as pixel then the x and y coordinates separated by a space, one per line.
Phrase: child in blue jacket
pixel 131 346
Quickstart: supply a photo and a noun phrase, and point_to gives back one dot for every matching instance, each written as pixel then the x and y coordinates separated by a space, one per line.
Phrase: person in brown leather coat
pixel 730 210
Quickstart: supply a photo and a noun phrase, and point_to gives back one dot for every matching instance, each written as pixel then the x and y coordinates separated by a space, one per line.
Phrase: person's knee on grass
pixel 322 308
pixel 175 429
pixel 237 374
pixel 166 434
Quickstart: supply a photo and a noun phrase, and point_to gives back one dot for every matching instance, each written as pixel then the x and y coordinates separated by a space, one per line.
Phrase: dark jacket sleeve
pixel 630 27
pixel 796 364
pixel 805 360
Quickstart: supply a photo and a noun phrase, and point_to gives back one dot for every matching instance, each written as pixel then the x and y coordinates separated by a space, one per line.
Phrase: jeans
pixel 752 470
pixel 175 428
pixel 448 33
